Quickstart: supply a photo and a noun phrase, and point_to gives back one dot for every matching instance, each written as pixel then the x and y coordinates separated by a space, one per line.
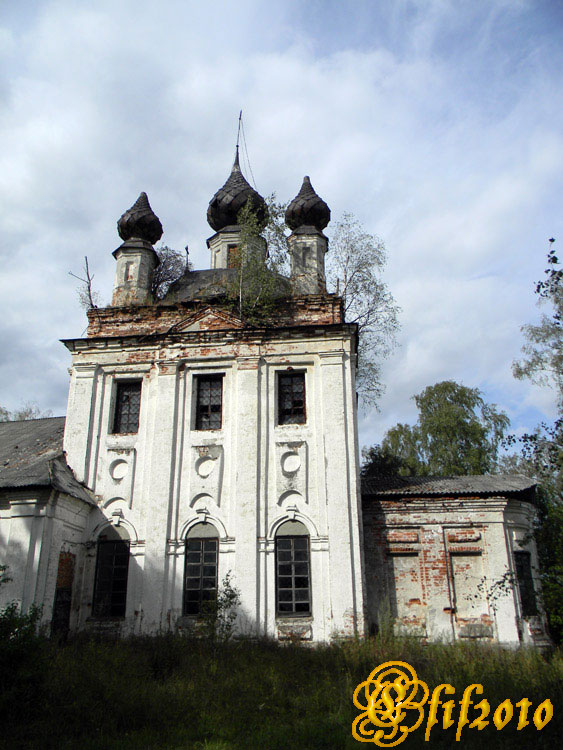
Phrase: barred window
pixel 200 572
pixel 127 406
pixel 209 402
pixel 523 565
pixel 291 398
pixel 110 587
pixel 293 579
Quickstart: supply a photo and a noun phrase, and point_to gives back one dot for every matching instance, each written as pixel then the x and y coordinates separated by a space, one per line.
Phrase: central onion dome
pixel 307 209
pixel 228 201
pixel 140 222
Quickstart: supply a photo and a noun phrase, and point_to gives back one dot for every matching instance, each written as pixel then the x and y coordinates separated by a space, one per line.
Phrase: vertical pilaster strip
pixel 247 485
pixel 78 437
pixel 159 493
pixel 341 499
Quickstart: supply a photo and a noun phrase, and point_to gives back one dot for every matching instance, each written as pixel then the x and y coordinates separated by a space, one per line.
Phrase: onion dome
pixel 228 201
pixel 307 209
pixel 140 222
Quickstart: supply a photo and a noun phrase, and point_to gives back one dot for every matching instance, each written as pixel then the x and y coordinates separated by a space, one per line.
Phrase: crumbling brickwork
pixel 442 567
pixel 143 320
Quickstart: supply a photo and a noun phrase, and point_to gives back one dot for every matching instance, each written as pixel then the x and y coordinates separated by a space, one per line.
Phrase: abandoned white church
pixel 197 446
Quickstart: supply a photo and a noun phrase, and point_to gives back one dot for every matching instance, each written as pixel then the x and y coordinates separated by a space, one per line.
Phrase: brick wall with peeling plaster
pixel 435 568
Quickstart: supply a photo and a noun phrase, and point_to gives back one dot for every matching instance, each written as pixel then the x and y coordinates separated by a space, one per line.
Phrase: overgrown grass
pixel 171 692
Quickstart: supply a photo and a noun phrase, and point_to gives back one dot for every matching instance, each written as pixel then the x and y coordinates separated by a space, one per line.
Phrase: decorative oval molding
pixel 290 462
pixel 204 466
pixel 118 469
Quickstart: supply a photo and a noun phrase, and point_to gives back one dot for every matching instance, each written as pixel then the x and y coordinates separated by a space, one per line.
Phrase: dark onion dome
pixel 140 221
pixel 307 209
pixel 228 201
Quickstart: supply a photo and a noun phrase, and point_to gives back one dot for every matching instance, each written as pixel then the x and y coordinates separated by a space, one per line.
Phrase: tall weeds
pixel 172 692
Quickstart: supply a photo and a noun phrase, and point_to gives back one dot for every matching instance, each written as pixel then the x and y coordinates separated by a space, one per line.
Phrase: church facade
pixel 199 450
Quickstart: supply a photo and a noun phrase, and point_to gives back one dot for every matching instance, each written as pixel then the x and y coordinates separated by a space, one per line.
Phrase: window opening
pixel 200 574
pixel 232 256
pixel 209 403
pixel 291 398
pixel 127 406
pixel 110 588
pixel 293 581
pixel 528 602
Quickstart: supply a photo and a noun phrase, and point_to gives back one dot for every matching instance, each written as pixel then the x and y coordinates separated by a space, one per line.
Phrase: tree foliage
pixel 354 265
pixel 543 350
pixel 29 410
pixel 258 283
pixel 540 453
pixel 457 432
pixel 87 297
pixel 540 457
pixel 172 265
pixel 355 262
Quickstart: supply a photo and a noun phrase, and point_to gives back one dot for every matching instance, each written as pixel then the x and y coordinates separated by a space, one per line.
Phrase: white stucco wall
pixel 154 483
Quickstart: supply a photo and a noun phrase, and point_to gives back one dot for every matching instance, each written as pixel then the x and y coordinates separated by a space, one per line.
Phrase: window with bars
pixel 110 587
pixel 200 574
pixel 127 406
pixel 523 565
pixel 291 398
pixel 209 402
pixel 293 580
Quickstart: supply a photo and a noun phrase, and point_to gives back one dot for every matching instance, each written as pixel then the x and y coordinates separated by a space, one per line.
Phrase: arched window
pixel 200 572
pixel 112 568
pixel 293 570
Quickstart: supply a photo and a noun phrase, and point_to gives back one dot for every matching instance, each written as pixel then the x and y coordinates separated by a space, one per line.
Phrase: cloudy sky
pixel 438 123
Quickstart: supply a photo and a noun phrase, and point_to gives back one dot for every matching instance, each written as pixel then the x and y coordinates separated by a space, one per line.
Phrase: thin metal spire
pixel 240 132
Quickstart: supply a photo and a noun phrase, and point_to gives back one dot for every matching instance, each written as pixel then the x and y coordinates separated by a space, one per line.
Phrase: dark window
pixel 200 574
pixel 127 406
pixel 209 403
pixel 293 581
pixel 291 398
pixel 110 588
pixel 525 584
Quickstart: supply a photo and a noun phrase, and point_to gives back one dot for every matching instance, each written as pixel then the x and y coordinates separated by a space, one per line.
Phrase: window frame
pixel 202 564
pixel 121 384
pixel 293 613
pixel 99 610
pixel 198 380
pixel 280 420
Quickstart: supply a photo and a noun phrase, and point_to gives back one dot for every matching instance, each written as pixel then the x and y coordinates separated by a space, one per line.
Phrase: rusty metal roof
pixel 475 485
pixel 31 455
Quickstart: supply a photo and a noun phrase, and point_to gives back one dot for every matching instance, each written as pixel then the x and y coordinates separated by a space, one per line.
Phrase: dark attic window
pixel 291 398
pixel 209 402
pixel 127 407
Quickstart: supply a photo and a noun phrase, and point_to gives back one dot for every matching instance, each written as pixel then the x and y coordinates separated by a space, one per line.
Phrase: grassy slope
pixel 168 692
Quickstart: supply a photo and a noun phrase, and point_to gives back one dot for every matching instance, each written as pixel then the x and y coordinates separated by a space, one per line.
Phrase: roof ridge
pixel 35 419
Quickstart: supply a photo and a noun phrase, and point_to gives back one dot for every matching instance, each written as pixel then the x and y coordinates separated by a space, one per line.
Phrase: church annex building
pixel 196 446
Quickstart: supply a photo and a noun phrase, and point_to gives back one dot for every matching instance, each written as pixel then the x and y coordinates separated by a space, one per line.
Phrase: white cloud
pixel 439 126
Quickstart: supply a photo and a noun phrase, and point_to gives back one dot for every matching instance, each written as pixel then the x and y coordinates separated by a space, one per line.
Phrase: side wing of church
pixel 199 448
